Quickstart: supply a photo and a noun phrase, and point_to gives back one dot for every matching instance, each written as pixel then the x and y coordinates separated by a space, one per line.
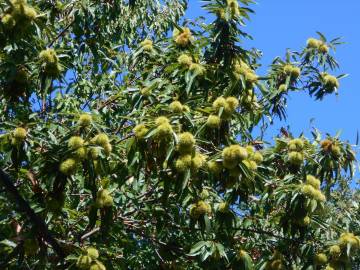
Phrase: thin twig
pixel 61 33
pixel 86 235
pixel 259 231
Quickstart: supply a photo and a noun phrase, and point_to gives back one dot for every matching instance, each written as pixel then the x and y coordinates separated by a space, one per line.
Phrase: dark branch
pixel 39 224
pixel 86 235
pixel 61 33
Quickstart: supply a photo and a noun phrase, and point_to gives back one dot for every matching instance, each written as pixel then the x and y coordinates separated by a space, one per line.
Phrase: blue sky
pixel 281 24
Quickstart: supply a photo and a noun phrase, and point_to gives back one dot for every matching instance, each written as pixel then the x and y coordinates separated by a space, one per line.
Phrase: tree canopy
pixel 134 138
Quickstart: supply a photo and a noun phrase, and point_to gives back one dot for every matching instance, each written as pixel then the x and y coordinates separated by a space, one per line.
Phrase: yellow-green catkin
pixel 183 37
pixel 228 104
pixel 249 99
pixel 164 129
pixel 185 60
pixel 348 238
pixel 107 149
pixel 85 120
pixel 232 103
pixel 213 121
pixel 145 91
pixel 250 150
pixel 104 199
pixel 84 262
pixel 68 166
pixel 186 108
pixel 23 12
pixel 304 221
pixel 48 56
pixel 94 153
pixel 176 107
pixel 80 153
pixel 8 21
pixel 323 48
pixel 313 193
pixel 331 81
pixel 50 61
pixel 204 194
pixel 214 167
pixel 291 70
pixel 230 107
pixel 282 88
pixel 219 103
pixel 223 207
pixel 198 69
pixel 335 150
pixel 18 135
pixel 75 142
pixel 183 163
pixel 93 253
pixel 313 43
pixel 197 161
pixel 296 145
pixel 234 7
pixel 102 139
pixel 233 155
pixel 199 209
pixel 147 45
pixel 250 164
pixel 140 131
pixel 257 157
pixel 313 181
pixel 326 144
pixel 161 120
pixel 335 251
pixel 97 265
pixel 186 143
pixel 320 259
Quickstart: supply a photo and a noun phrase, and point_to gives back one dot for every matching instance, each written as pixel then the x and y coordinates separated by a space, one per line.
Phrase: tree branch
pixel 39 224
pixel 260 231
pixel 88 234
pixel 61 33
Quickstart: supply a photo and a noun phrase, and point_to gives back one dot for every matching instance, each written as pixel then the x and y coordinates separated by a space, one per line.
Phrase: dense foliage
pixel 132 138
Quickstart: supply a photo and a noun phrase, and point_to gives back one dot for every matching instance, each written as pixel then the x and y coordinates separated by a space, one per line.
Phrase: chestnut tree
pixel 133 138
